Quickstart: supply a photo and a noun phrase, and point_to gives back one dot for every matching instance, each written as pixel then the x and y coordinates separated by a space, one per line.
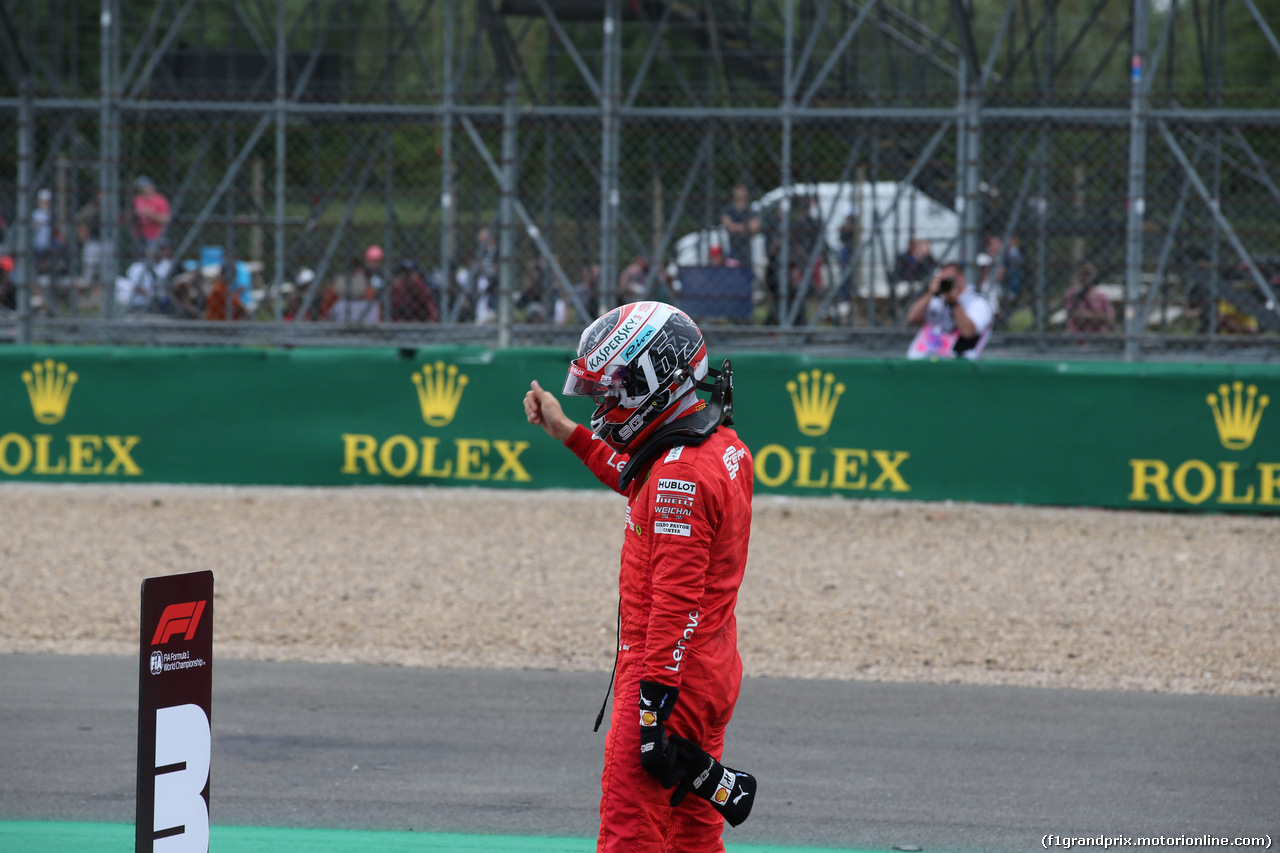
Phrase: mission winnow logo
pixel 49 386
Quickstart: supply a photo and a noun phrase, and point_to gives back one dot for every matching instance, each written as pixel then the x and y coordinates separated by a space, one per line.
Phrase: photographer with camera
pixel 955 321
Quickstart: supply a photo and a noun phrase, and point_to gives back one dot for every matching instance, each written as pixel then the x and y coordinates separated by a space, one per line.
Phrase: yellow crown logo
pixel 1237 417
pixel 815 399
pixel 439 392
pixel 49 387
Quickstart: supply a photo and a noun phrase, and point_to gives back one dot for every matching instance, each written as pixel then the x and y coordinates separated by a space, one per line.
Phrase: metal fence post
pixel 1216 29
pixel 506 216
pixel 609 197
pixel 1042 236
pixel 447 206
pixel 281 95
pixel 973 193
pixel 108 152
pixel 23 267
pixel 1133 324
pixel 969 140
pixel 784 206
pixel 962 159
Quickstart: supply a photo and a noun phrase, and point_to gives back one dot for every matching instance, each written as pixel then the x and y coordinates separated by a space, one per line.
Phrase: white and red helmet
pixel 641 362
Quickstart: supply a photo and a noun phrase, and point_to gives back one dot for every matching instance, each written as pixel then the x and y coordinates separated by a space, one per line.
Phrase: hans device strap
pixel 690 429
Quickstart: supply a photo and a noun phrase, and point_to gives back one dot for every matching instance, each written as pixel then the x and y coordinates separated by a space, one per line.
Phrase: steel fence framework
pixel 566 136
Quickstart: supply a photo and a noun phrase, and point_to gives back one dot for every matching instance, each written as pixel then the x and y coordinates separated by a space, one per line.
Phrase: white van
pixel 914 215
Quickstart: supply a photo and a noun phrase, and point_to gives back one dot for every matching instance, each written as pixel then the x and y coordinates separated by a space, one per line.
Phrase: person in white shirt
pixel 955 322
pixel 42 224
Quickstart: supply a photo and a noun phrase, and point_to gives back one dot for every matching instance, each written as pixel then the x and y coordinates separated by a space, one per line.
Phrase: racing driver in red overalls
pixel 688 482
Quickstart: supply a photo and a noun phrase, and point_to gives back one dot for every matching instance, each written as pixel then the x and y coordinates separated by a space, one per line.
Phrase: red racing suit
pixel 685 548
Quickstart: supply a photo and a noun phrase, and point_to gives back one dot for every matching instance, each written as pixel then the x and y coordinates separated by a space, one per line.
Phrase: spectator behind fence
pixel 150 214
pixel 1234 321
pixel 808 242
pixel 802 233
pixel 585 290
pixel 531 301
pixel 42 229
pixel 991 272
pixel 988 262
pixel 373 268
pixel 185 299
pixel 1089 311
pixel 44 251
pixel 483 276
pixel 1015 269
pixel 8 293
pixel 88 227
pixel 411 298
pixel 378 278
pixel 223 302
pixel 144 279
pixel 89 215
pixel 955 322
pixel 90 257
pixel 916 263
pixel 848 233
pixel 633 282
pixel 741 223
pixel 294 295
pixel 352 298
pixel 806 231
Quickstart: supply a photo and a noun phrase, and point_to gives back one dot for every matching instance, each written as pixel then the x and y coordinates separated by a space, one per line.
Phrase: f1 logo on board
pixel 178 618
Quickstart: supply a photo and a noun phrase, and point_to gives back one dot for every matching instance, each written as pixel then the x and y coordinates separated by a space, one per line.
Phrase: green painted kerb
pixel 1149 436
pixel 118 837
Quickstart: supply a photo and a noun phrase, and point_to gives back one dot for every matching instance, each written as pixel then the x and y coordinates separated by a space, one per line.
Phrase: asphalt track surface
pixel 841 764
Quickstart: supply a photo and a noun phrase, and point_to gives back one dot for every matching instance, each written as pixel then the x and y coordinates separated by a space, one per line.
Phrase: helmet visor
pixel 585 383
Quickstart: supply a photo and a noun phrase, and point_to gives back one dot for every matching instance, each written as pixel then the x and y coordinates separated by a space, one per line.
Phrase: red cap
pixel 6 263
pixel 373 253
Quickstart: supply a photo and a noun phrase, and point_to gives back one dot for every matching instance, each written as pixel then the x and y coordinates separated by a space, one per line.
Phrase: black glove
pixel 656 754
pixel 730 792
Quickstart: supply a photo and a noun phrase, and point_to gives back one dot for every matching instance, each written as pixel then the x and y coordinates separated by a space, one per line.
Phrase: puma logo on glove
pixel 729 791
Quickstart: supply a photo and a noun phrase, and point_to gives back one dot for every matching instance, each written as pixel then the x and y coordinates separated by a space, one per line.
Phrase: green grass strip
pixel 51 837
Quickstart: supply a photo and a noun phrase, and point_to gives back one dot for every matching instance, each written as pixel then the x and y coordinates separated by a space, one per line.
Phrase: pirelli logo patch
pixel 683 487
pixel 668 505
pixel 671 528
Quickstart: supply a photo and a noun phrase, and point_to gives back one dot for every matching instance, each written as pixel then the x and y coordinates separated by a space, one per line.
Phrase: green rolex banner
pixel 1162 436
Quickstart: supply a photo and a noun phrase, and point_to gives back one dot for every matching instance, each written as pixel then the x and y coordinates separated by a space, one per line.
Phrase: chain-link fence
pixel 794 174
